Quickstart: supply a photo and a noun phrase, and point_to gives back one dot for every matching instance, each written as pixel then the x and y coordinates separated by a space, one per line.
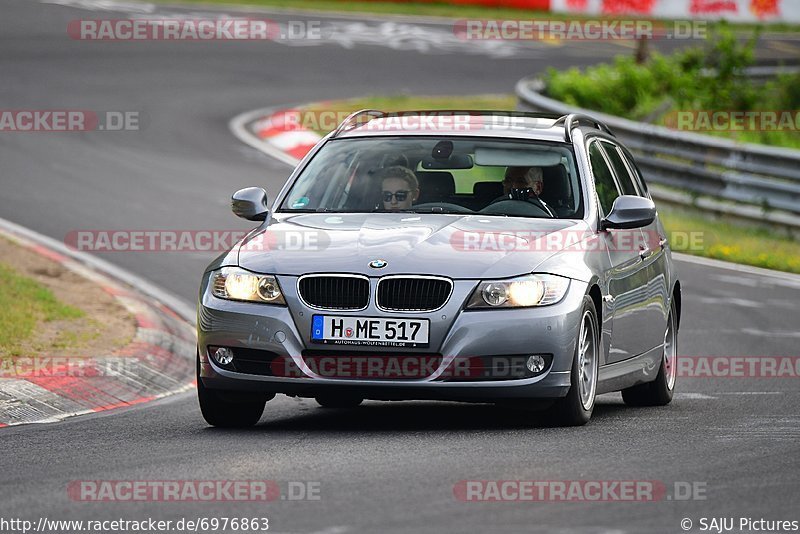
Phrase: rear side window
pixel 637 173
pixel 621 170
pixel 607 191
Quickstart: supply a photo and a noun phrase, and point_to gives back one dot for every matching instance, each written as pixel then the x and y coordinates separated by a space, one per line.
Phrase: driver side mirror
pixel 250 203
pixel 629 211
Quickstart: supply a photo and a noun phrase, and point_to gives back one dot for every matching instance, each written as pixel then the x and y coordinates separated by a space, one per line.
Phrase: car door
pixel 626 276
pixel 657 259
pixel 650 319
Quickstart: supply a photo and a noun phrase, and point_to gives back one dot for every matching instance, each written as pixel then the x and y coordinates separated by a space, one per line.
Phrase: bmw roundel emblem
pixel 378 264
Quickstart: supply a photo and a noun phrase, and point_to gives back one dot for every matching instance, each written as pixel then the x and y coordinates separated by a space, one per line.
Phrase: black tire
pixel 230 409
pixel 570 410
pixel 337 401
pixel 658 392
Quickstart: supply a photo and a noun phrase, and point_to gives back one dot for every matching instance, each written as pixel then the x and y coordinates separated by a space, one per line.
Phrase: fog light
pixel 223 355
pixel 535 364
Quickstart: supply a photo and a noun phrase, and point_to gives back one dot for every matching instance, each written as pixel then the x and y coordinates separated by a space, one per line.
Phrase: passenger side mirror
pixel 629 211
pixel 250 203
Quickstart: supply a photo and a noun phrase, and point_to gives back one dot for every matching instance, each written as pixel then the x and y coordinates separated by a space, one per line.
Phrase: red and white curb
pixel 274 132
pixel 281 130
pixel 159 361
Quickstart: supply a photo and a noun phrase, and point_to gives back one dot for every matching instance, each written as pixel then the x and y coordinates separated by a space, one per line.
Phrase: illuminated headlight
pixel 522 292
pixel 232 283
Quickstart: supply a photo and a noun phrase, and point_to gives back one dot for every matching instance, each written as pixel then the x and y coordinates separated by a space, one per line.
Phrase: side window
pixel 637 174
pixel 623 175
pixel 607 191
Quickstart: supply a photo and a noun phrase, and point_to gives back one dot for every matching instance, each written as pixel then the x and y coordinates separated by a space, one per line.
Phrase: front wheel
pixel 230 409
pixel 576 408
pixel 659 392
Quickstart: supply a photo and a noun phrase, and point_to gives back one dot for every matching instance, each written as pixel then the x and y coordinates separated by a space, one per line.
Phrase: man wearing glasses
pixel 400 188
pixel 525 183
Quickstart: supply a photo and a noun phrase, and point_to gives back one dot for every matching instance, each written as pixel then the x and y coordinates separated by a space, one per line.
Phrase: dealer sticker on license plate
pixel 375 331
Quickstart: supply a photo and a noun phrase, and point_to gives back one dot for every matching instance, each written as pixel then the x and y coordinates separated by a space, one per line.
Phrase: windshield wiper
pixel 310 210
pixel 444 211
pixel 384 210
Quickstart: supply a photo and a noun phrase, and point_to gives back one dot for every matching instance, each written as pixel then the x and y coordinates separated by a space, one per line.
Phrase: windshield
pixel 440 175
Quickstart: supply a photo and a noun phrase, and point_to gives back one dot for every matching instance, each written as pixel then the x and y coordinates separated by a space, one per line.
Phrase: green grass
pixel 408 102
pixel 431 9
pixel 25 302
pixel 738 243
pixel 70 338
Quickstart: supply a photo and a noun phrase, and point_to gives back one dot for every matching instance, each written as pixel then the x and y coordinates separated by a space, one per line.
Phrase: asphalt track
pixel 383 467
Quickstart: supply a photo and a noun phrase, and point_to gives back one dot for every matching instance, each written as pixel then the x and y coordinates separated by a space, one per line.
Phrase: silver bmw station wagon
pixel 501 257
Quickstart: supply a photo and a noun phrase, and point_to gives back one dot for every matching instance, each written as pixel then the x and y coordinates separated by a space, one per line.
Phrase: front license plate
pixel 375 331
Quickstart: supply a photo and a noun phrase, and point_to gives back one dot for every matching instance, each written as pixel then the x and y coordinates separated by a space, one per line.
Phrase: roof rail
pixel 352 120
pixel 357 118
pixel 573 119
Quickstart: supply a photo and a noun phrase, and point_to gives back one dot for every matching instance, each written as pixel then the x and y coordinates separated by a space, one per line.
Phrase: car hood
pixel 457 246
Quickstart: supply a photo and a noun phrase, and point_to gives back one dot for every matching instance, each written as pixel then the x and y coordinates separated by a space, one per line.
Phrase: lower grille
pixel 362 365
pixel 413 293
pixel 346 292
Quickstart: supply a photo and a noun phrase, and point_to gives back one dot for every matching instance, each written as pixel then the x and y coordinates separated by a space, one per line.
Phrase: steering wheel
pixel 517 208
pixel 517 196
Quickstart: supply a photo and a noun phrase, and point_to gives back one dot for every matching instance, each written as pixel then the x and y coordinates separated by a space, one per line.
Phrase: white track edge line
pixel 739 267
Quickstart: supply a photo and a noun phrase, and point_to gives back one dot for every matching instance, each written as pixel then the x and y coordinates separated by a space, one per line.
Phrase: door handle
pixel 662 241
pixel 644 252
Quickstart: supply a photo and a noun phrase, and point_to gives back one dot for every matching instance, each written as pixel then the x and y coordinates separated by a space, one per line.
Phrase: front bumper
pixel 468 334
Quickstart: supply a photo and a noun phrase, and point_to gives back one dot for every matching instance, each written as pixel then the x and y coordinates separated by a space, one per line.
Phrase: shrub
pixel 704 77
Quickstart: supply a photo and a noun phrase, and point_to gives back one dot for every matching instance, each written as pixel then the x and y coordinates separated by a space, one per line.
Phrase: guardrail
pixel 764 73
pixel 763 178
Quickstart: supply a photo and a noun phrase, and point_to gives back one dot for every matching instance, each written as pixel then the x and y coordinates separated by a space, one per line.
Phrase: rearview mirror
pixel 250 203
pixel 629 211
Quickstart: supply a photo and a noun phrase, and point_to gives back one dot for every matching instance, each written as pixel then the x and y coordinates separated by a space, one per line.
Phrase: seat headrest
pixel 435 186
pixel 556 183
pixel 487 190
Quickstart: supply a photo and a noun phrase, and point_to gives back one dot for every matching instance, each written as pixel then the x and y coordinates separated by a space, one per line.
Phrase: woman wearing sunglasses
pixel 400 188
